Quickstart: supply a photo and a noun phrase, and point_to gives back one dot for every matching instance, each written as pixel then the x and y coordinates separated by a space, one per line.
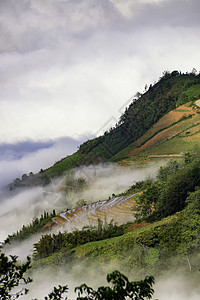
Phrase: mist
pixel 177 286
pixel 31 156
pixel 102 181
pixel 173 285
pixel 55 72
pixel 107 179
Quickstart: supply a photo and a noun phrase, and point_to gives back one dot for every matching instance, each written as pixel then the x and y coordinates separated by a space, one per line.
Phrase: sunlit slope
pixel 118 209
pixel 175 133
pixel 144 118
pixel 140 250
pixel 147 123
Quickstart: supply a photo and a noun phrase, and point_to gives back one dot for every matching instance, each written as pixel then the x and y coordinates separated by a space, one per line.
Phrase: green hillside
pixel 145 111
pixel 165 235
pixel 163 122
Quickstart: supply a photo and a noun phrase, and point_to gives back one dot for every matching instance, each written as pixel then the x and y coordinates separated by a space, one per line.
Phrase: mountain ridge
pixel 171 91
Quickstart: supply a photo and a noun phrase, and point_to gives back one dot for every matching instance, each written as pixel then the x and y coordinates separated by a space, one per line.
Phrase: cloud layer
pixel 29 156
pixel 68 66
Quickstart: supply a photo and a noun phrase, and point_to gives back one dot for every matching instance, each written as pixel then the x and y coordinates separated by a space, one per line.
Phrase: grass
pixel 165 138
pixel 104 251
pixel 191 94
pixel 175 145
pixel 63 165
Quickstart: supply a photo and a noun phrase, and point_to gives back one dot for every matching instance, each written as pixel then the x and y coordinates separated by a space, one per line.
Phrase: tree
pixel 11 276
pixel 121 289
pixel 57 293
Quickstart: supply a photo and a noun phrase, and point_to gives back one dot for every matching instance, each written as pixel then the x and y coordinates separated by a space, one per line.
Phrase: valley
pixel 128 199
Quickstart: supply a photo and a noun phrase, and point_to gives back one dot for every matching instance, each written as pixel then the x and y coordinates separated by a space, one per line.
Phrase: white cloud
pixel 68 66
pixel 14 161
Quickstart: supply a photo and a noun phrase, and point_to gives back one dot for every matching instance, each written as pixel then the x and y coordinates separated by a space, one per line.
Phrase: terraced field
pixel 119 209
pixel 175 133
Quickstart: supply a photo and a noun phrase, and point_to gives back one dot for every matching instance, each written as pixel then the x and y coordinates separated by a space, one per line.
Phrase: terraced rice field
pixel 119 209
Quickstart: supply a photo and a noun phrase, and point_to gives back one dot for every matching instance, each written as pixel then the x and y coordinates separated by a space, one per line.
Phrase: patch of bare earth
pixel 136 226
pixel 164 129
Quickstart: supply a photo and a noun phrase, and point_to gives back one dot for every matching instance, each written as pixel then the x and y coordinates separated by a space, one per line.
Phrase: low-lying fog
pixel 102 181
pixel 173 286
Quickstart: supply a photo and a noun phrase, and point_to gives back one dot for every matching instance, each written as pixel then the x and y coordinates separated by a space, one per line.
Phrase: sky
pixel 68 68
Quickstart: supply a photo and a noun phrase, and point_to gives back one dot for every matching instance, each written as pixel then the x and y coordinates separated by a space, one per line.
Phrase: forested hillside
pixel 164 236
pixel 144 111
pixel 164 233
pixel 172 90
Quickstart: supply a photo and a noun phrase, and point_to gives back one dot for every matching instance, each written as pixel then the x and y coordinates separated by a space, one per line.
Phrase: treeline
pixel 144 111
pixel 49 244
pixel 169 193
pixel 27 230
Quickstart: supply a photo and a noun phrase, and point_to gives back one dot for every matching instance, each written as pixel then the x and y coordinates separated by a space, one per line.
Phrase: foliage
pixel 191 94
pixel 11 276
pixel 168 194
pixel 27 230
pixel 49 244
pixel 171 168
pixel 74 184
pixel 121 289
pixel 148 201
pixel 152 256
pixel 138 187
pixel 142 113
pixel 57 293
pixel 12 273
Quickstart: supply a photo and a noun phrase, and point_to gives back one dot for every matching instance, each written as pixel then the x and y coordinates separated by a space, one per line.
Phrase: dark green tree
pixel 121 289
pixel 12 275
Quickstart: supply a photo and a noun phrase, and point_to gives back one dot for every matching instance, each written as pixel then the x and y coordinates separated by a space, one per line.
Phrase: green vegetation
pixel 169 207
pixel 37 225
pixel 142 113
pixel 49 244
pixel 145 110
pixel 191 94
pixel 174 240
pixel 168 194
pixel 121 289
pixel 12 276
pixel 138 187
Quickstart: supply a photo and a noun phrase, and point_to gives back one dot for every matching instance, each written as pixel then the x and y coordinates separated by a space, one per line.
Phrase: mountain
pixel 156 122
pixel 158 220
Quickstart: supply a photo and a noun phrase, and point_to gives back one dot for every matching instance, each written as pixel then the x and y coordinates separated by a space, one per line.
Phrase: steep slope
pixel 173 89
pixel 135 126
pixel 175 133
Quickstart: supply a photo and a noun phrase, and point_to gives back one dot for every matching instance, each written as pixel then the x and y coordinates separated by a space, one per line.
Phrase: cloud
pixel 68 66
pixel 102 181
pixel 31 156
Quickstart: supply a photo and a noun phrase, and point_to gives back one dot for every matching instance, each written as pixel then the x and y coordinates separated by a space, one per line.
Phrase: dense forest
pixel 66 241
